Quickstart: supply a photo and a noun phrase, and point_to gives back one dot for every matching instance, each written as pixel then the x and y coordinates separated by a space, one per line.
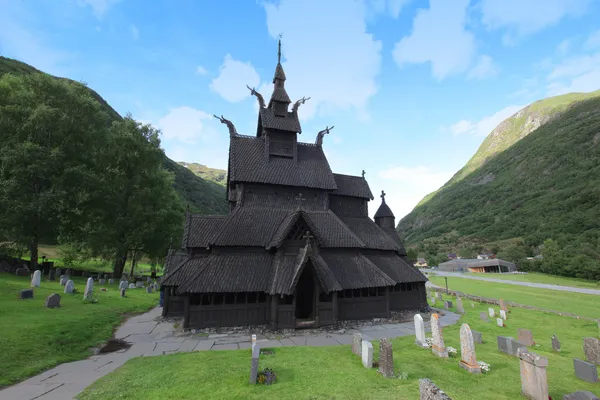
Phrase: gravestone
pixel 437 344
pixel 111 281
pixel 503 314
pixel 508 345
pixel 491 312
pixel 472 305
pixel 555 343
pixel 484 316
pixel 63 280
pixel 420 331
pixel 86 274
pixel 254 365
pixel 386 358
pixel 438 296
pixel 591 349
pixel 132 286
pixel 69 272
pixel 357 344
pixel 429 391
pixel 36 280
pixel 149 289
pixel 58 271
pixel 534 381
pixel 101 281
pixel 459 306
pixel 580 395
pixel 26 294
pixel 123 292
pixel 51 275
pixel 503 305
pixel 89 289
pixel 139 284
pixel 22 272
pixel 447 304
pixel 468 360
pixel 367 354
pixel 123 284
pixel 525 336
pixel 477 337
pixel 433 300
pixel 69 286
pixel 586 371
pixel 52 301
pixel 500 322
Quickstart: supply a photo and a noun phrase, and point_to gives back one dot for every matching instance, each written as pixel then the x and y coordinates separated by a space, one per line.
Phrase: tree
pixel 140 212
pixel 412 255
pixel 50 130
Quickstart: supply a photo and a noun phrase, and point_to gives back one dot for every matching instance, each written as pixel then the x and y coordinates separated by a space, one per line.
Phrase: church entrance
pixel 305 297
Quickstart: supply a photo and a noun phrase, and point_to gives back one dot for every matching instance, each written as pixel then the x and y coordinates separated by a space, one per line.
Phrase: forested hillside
pixel 204 196
pixel 532 188
pixel 215 175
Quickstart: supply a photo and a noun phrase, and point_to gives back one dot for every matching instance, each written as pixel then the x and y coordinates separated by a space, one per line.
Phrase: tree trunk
pixel 132 263
pixel 33 248
pixel 120 260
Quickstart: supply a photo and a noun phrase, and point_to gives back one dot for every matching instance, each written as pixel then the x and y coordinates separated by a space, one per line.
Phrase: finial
pixel 279 49
pixel 382 196
pixel 230 126
pixel 300 199
pixel 321 134
pixel 363 174
pixel 307 235
pixel 187 208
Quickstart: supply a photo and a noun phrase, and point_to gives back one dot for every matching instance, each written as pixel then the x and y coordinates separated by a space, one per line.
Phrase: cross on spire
pixel 308 236
pixel 300 199
pixel 363 173
pixel 382 196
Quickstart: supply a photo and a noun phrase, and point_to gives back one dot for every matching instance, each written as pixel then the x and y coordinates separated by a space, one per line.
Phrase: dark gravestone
pixel 386 358
pixel 52 301
pixel 484 316
pixel 58 271
pixel 509 345
pixel 555 343
pixel 254 365
pixel 85 274
pixel 477 337
pixel 591 349
pixel 428 391
pixel 26 294
pixel 580 395
pixel 51 275
pixel 586 371
pixel 149 289
pixel 447 304
pixel 22 272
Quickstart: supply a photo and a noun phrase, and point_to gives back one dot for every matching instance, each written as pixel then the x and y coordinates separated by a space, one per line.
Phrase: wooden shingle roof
pixel 396 267
pixel 355 271
pixel 354 186
pixel 370 233
pixel 289 123
pixel 202 228
pixel 247 163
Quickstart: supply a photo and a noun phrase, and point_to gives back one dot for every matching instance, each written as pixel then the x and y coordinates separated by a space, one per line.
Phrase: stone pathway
pixel 519 283
pixel 152 338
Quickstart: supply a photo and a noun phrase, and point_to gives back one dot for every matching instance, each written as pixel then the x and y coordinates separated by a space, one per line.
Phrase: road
pixel 527 284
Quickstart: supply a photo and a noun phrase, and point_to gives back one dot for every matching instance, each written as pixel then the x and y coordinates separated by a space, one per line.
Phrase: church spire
pixel 279 99
pixel 384 217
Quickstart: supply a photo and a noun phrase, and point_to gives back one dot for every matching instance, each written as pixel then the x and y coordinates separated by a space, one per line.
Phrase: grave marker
pixel 420 331
pixel 132 286
pixel 468 360
pixel 491 312
pixel 484 316
pixel 51 276
pixel 69 286
pixel 508 345
pixel 525 336
pixel 101 281
pixel 437 347
pixel 386 358
pixel 149 289
pixel 591 349
pixel 26 294
pixel 459 306
pixel 580 395
pixel 254 364
pixel 534 381
pixel 555 343
pixel 111 281
pixel 477 337
pixel 89 289
pixel 429 391
pixel 586 371
pixel 447 304
pixel 357 344
pixel 502 305
pixel 503 314
pixel 367 354
pixel 52 301
pixel 36 280
pixel 500 322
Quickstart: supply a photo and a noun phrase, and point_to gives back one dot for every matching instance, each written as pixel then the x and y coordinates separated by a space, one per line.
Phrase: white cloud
pixel 327 54
pixel 575 74
pixel 135 33
pixel 484 126
pixel 439 37
pixel 392 7
pixel 406 186
pixel 485 68
pixel 186 124
pixel 200 70
pixel 99 7
pixel 529 16
pixel 563 47
pixel 232 80
pixel 593 40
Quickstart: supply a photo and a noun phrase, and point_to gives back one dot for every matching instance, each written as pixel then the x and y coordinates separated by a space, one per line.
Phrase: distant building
pixel 421 262
pixel 485 256
pixel 452 256
pixel 477 265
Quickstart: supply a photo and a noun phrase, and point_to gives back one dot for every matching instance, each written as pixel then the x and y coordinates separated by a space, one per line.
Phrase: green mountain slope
pixel 215 175
pixel 203 195
pixel 535 177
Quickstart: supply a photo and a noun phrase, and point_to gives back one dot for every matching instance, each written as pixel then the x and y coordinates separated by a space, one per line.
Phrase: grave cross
pixel 300 199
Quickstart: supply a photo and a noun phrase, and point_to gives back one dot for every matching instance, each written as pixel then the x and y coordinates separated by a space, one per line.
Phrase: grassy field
pixel 544 278
pixel 585 305
pixel 334 373
pixel 35 338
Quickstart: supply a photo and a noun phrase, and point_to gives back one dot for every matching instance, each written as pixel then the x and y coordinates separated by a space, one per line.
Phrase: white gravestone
pixel 491 312
pixel 36 280
pixel 500 322
pixel 132 286
pixel 89 289
pixel 503 314
pixel 420 331
pixel 367 354
pixel 69 286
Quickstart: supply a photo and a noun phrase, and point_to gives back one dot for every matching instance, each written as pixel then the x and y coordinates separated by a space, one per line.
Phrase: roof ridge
pixel 347 228
pixel 376 268
pixel 195 275
pixel 211 216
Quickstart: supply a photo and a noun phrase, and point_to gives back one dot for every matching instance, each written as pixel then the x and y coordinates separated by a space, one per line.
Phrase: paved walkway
pixel 152 338
pixel 519 283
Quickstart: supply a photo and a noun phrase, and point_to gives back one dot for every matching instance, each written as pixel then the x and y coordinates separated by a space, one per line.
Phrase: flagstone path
pixel 151 337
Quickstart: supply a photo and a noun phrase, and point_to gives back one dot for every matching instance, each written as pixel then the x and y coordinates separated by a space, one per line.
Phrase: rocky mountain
pixel 204 196
pixel 535 177
pixel 215 175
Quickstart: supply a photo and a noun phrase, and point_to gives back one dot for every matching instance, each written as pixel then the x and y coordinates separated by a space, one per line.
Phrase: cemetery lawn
pixel 544 278
pixel 36 338
pixel 335 373
pixel 585 305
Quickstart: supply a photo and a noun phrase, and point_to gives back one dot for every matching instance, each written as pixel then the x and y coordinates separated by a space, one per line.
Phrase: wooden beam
pixel 334 300
pixel 274 311
pixel 387 302
pixel 186 311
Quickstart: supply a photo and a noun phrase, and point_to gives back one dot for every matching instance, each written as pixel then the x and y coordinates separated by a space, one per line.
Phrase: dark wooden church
pixel 298 248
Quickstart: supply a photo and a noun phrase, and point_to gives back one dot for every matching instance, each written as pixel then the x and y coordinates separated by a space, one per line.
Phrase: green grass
pixel 544 278
pixel 35 338
pixel 334 373
pixel 585 305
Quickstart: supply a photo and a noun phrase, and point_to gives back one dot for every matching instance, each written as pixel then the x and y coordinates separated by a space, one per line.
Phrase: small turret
pixel 384 217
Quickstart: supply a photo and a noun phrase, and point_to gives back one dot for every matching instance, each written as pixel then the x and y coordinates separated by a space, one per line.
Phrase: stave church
pixel 298 248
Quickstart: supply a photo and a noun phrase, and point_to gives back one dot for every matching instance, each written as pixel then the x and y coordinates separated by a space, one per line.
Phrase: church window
pixel 252 297
pixel 217 299
pixel 240 298
pixel 205 300
pixel 262 297
pixel 229 298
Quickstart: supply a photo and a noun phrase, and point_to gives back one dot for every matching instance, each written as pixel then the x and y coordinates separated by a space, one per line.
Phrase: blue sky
pixel 411 86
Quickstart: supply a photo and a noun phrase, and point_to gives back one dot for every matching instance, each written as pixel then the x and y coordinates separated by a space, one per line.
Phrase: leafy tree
pixel 412 255
pixel 513 253
pixel 49 132
pixel 140 210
